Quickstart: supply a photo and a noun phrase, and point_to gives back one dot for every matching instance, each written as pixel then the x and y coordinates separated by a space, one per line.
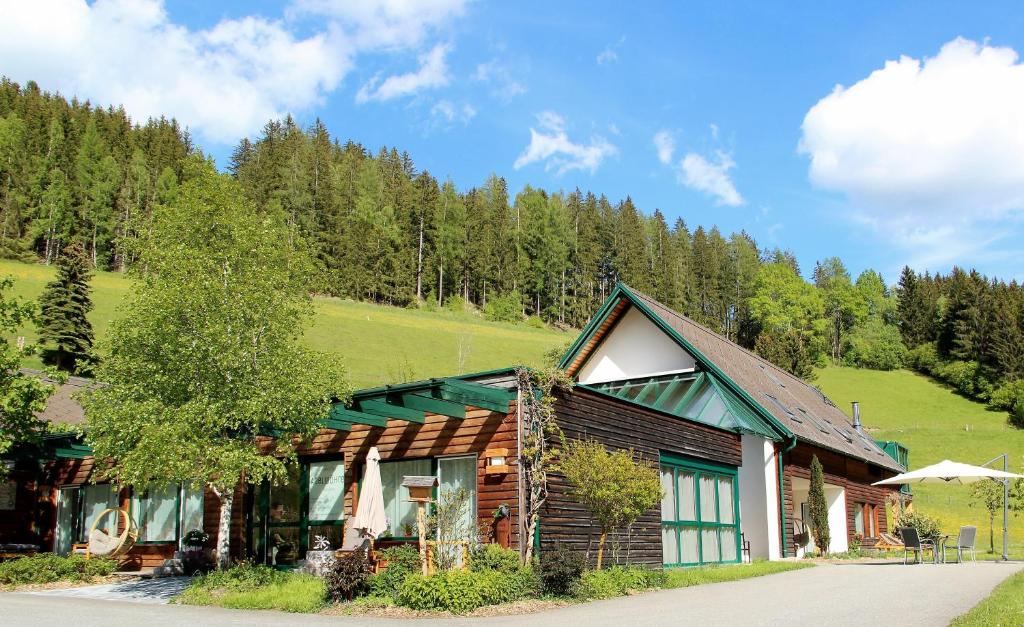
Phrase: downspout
pixel 782 495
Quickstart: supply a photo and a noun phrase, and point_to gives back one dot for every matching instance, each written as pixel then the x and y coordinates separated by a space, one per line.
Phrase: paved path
pixel 833 595
pixel 157 591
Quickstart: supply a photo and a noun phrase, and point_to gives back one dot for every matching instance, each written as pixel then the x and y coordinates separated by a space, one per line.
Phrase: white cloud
pixel 450 113
pixel 923 140
pixel 711 177
pixel 610 53
pixel 224 81
pixel 665 143
pixel 433 73
pixel 551 144
pixel 503 86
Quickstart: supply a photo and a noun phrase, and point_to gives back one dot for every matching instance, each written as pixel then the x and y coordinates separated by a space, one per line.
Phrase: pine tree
pixel 818 507
pixel 64 329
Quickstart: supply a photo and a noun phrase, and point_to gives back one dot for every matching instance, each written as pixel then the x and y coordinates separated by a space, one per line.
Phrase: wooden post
pixel 421 527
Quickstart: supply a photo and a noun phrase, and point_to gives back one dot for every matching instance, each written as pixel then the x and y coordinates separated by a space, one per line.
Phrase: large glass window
pixel 401 514
pixel 77 510
pixel 700 523
pixel 167 513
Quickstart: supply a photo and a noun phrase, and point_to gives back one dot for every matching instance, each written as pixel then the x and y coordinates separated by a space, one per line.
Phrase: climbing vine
pixel 539 428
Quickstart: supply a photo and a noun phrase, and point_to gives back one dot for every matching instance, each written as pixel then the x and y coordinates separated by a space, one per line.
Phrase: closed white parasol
pixel 370 520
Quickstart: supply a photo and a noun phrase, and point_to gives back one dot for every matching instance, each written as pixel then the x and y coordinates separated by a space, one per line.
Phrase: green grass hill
pixel 377 344
pixel 935 424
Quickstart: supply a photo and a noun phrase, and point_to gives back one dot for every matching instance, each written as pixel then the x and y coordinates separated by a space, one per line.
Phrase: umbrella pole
pixel 1006 509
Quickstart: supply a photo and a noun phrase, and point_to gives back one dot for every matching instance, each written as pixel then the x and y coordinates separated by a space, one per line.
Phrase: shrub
pixel 876 345
pixel 561 569
pixel 493 557
pixel 536 322
pixel 616 581
pixel 507 308
pixel 256 587
pixel 349 576
pixel 927 527
pixel 458 304
pixel 460 591
pixel 239 578
pixel 47 568
pixel 402 561
pixel 1010 397
pixel 924 358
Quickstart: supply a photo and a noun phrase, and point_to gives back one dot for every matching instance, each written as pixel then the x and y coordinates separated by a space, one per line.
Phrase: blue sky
pixel 721 113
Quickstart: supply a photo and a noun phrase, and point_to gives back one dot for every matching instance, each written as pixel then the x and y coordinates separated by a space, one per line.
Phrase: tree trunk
pixel 600 548
pixel 227 498
pixel 419 265
pixel 440 283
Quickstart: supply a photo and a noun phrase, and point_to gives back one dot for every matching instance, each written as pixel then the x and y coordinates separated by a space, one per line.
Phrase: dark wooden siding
pixel 854 475
pixel 620 425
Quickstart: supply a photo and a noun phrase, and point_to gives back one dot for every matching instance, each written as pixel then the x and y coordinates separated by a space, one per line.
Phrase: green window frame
pixel 707 522
pixel 186 514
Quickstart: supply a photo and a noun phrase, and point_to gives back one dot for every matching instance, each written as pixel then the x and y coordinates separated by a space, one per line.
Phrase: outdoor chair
pixel 913 543
pixel 103 542
pixel 353 541
pixel 964 543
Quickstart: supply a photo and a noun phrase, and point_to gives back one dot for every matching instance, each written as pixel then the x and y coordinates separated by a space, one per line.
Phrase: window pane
pixel 668 497
pixel 725 500
pixel 454 474
pixel 332 534
pixel 713 411
pixel 669 545
pixel 694 407
pixel 285 500
pixel 709 542
pixel 97 498
pixel 158 510
pixel 688 545
pixel 687 497
pixel 400 512
pixel 858 518
pixel 191 507
pixel 327 490
pixel 283 545
pixel 728 536
pixel 66 519
pixel 707 498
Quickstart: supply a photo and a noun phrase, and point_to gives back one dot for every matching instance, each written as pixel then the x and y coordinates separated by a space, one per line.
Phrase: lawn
pixel 1004 607
pixel 378 344
pixel 686 577
pixel 935 424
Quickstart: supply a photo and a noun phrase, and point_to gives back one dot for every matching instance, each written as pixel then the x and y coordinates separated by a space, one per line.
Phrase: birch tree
pixel 207 359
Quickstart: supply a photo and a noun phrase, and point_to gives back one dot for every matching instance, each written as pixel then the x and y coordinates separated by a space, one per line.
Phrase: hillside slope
pixel 377 344
pixel 935 424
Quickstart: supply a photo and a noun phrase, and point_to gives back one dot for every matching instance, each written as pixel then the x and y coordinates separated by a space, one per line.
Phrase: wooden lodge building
pixel 732 436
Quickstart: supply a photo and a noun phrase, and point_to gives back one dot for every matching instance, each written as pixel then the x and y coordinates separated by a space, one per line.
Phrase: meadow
pixel 377 344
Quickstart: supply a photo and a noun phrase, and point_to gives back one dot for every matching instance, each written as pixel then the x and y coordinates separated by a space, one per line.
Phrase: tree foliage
pixel 64 330
pixel 616 487
pixel 207 357
pixel 818 507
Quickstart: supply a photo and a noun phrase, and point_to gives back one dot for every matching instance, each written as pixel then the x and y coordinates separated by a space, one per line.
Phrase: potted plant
pixel 193 548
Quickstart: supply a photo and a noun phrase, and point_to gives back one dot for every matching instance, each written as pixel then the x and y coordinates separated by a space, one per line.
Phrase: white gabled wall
pixel 636 347
pixel 759 498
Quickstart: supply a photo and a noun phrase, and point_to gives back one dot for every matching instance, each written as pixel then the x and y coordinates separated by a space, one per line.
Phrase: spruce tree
pixel 818 507
pixel 64 329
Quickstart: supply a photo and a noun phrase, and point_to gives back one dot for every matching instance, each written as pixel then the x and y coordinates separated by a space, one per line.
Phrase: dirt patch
pixel 526 606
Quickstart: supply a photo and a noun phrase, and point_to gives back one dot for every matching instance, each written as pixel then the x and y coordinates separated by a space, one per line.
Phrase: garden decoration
pixel 420 492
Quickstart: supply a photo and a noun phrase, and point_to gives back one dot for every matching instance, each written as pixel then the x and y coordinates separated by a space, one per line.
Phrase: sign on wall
pixel 327 490
pixel 8 495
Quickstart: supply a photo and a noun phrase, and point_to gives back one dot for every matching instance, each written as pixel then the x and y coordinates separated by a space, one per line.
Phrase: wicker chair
pixel 103 543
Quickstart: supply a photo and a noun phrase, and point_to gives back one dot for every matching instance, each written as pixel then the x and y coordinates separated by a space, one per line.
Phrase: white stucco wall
pixel 634 348
pixel 836 497
pixel 759 499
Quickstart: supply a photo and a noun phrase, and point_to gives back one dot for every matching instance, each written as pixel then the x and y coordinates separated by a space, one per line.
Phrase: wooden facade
pixel 619 424
pixel 853 475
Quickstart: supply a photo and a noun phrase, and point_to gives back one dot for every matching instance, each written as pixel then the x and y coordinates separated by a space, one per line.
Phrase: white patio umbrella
pixel 948 471
pixel 370 519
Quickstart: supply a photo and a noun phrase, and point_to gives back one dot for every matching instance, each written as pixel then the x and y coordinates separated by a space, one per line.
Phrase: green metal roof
pixel 698 396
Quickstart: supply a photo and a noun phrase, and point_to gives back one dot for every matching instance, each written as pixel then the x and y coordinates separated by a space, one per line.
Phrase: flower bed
pixel 47 568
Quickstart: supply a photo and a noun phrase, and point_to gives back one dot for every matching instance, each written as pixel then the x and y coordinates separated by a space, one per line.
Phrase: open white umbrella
pixel 370 520
pixel 948 471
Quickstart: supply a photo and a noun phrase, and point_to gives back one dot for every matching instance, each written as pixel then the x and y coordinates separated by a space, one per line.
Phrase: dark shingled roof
pixel 62 406
pixel 803 409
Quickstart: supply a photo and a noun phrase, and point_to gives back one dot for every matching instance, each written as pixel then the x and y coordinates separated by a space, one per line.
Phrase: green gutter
pixel 592 326
pixel 782 496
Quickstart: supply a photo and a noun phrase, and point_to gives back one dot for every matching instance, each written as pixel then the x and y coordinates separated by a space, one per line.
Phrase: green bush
pixel 47 568
pixel 536 322
pixel 507 308
pixel 256 588
pixel 1010 397
pixel 617 581
pixel 924 358
pixel 461 591
pixel 239 578
pixel 402 561
pixel 877 346
pixel 493 557
pixel 927 527
pixel 349 576
pixel 561 569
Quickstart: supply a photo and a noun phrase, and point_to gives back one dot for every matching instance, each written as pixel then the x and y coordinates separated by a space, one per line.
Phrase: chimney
pixel 856 417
